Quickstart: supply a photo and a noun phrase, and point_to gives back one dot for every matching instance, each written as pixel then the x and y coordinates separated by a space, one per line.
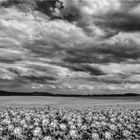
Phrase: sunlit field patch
pixel 44 122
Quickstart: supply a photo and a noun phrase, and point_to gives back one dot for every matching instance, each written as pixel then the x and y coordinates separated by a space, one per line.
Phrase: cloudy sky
pixel 70 46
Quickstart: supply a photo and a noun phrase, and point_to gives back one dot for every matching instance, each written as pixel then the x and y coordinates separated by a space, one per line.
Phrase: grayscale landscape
pixel 69 69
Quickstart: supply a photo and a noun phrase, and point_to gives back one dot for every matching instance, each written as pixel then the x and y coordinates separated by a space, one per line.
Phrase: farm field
pixel 69 118
pixel 45 122
pixel 67 101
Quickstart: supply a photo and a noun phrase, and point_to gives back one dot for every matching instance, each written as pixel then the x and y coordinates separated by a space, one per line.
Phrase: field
pixel 69 118
pixel 67 101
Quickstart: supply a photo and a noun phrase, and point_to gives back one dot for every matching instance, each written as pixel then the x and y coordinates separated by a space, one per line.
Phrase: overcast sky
pixel 70 46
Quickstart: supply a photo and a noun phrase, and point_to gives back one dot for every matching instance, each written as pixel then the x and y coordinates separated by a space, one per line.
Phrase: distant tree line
pixel 6 93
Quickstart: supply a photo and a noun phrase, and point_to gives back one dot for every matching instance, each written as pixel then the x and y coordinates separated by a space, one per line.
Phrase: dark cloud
pixel 106 80
pixel 44 6
pixel 126 5
pixel 87 68
pixel 7 3
pixel 71 12
pixel 10 58
pixel 43 48
pixel 104 53
pixel 9 61
pixel 47 6
pixel 118 79
pixel 32 75
pixel 92 70
pixel 120 21
pixel 120 51
pixel 14 70
pixel 89 57
pixel 38 79
pixel 13 84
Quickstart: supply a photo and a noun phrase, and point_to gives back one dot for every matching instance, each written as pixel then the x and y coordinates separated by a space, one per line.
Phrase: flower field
pixel 43 122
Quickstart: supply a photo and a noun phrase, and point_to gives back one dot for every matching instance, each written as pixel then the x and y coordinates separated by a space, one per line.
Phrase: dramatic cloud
pixel 120 21
pixel 70 46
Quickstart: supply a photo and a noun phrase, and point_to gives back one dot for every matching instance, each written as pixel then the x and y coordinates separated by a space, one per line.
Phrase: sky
pixel 70 46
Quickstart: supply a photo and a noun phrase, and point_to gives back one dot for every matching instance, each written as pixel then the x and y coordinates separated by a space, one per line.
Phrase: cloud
pixel 49 8
pixel 126 18
pixel 118 73
pixel 120 21
pixel 76 42
pixel 85 68
pixel 32 75
pixel 37 86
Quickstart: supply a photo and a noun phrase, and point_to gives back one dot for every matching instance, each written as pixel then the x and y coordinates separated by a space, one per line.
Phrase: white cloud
pixel 37 86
